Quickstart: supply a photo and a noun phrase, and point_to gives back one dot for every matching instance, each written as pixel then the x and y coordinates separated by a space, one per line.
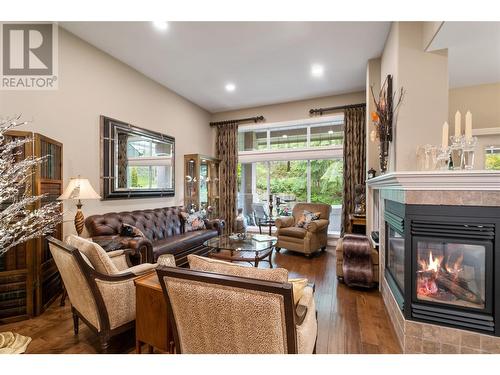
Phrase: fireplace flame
pixel 433 264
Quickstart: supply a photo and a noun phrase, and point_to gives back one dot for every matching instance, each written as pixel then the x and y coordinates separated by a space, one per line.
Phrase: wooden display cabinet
pixel 29 280
pixel 201 183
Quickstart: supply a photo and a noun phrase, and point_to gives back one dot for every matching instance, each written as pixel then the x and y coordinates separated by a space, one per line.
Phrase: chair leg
pixel 104 344
pixel 64 294
pixel 75 323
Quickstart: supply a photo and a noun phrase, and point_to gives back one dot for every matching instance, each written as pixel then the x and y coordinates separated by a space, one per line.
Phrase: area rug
pixel 13 343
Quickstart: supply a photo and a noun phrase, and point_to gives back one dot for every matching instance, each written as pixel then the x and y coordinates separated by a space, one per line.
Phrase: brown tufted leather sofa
pixel 163 228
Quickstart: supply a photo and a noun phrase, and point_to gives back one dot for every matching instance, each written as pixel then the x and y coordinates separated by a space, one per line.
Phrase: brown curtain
pixel 354 160
pixel 227 152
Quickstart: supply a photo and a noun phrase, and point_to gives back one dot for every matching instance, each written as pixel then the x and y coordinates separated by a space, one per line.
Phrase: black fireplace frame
pixel 418 310
pixel 394 216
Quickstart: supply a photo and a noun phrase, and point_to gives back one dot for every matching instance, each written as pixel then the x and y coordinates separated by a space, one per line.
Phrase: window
pixel 148 163
pixel 291 163
pixel 492 158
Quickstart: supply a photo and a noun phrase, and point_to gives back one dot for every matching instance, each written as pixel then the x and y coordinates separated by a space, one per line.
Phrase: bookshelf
pixel 29 280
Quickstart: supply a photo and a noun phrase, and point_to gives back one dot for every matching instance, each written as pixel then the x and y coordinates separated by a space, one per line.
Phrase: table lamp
pixel 79 188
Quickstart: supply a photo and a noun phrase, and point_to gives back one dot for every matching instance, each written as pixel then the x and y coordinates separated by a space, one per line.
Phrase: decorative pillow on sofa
pixel 193 221
pixel 306 218
pixel 128 230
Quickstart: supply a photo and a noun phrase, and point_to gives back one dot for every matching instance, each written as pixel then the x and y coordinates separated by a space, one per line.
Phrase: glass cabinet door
pixel 201 184
pixel 204 181
pixel 190 184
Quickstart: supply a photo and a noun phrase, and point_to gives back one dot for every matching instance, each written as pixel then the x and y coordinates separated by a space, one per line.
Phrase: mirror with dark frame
pixel 135 162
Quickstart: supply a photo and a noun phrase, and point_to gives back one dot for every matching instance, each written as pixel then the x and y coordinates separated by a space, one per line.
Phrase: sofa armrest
pixel 139 249
pixel 284 222
pixel 215 224
pixel 318 225
pixel 142 246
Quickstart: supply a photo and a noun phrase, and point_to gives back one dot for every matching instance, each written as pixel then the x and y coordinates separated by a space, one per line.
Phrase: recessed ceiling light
pixel 161 25
pixel 285 136
pixel 317 70
pixel 230 87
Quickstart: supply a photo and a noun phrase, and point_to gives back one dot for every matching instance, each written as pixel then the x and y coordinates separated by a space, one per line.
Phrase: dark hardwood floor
pixel 349 320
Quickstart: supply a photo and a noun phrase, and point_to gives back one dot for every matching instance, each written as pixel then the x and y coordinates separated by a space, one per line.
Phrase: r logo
pixel 27 49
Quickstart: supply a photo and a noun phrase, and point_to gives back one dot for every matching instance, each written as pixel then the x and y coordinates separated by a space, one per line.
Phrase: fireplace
pixel 441 263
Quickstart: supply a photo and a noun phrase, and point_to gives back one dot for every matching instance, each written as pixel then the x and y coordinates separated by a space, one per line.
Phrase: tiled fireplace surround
pixel 423 188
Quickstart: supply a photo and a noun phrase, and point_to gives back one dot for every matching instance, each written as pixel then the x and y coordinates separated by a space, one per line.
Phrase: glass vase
pixel 468 153
pixel 383 155
pixel 457 152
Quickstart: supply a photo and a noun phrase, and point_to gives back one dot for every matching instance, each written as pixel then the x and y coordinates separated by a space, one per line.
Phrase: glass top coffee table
pixel 248 250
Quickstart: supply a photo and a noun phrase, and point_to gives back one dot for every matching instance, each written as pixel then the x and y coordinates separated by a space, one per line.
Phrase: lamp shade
pixel 79 188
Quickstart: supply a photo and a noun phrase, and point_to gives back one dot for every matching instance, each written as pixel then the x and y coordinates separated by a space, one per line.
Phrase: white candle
pixel 445 134
pixel 458 121
pixel 468 126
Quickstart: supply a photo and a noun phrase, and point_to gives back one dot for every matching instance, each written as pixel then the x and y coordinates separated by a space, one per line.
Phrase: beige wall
pixel 424 76
pixel 372 152
pixel 484 103
pixel 389 64
pixel 482 100
pixel 92 83
pixel 372 80
pixel 292 110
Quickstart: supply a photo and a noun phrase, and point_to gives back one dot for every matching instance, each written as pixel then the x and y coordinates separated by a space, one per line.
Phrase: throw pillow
pixel 193 221
pixel 306 218
pixel 298 288
pixel 128 230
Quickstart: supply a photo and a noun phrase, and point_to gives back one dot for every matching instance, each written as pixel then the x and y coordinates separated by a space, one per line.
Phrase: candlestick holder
pixel 443 158
pixel 468 153
pixel 457 151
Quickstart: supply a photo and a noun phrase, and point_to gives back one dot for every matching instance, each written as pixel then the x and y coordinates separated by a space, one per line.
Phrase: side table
pixel 151 323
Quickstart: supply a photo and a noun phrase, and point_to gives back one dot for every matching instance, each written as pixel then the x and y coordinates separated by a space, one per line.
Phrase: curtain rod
pixel 329 109
pixel 237 121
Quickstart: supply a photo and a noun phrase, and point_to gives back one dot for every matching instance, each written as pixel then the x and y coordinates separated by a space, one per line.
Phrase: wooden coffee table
pixel 241 250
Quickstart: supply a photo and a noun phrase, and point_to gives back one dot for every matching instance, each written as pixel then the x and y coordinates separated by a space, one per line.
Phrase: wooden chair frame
pixel 292 317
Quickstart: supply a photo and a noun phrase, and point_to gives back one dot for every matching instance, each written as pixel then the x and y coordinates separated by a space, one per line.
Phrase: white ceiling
pixel 269 62
pixel 473 51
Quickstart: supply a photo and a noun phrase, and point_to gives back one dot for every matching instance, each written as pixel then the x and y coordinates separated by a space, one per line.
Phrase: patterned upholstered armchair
pixel 100 285
pixel 304 240
pixel 220 307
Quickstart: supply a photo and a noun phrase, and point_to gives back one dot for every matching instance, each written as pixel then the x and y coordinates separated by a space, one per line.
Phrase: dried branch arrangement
pixel 19 220
pixel 387 104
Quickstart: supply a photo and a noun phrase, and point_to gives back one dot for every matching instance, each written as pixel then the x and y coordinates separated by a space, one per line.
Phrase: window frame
pixel 292 154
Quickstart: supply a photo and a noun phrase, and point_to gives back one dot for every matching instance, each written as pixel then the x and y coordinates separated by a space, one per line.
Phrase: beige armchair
pixel 100 285
pixel 221 307
pixel 304 240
